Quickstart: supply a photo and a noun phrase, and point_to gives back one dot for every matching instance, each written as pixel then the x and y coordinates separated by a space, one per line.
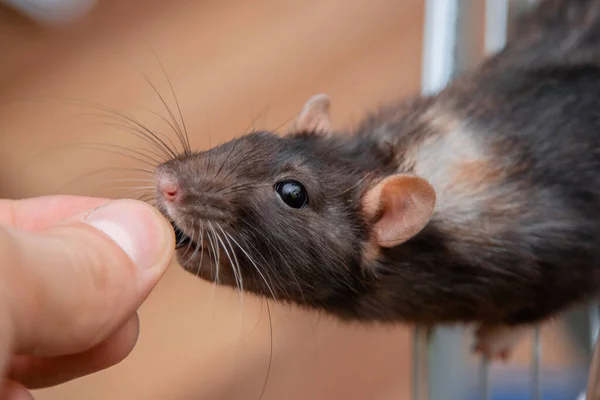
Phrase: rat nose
pixel 169 190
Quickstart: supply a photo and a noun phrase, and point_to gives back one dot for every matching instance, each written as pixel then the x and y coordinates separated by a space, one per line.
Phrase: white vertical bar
pixel 439 41
pixel 496 24
pixel 594 323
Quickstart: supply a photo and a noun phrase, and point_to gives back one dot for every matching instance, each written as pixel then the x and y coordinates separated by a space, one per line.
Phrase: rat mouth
pixel 181 238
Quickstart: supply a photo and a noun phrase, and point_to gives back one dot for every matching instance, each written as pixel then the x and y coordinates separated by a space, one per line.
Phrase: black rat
pixel 478 205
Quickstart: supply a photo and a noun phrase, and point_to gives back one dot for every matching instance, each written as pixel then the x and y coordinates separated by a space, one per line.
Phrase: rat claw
pixel 497 342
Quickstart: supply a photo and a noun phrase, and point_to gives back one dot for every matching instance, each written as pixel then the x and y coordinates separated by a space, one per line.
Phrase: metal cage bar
pixel 440 38
pixel 439 354
pixel 446 34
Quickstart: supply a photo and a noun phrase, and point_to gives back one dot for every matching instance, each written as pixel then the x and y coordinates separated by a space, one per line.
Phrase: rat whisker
pixel 123 116
pixel 201 243
pixel 145 134
pixel 264 388
pixel 92 173
pixel 242 187
pixel 232 170
pixel 214 247
pixel 183 232
pixel 252 126
pixel 255 266
pixel 153 158
pixel 252 117
pixel 236 273
pixel 186 150
pixel 197 249
pixel 145 180
pixel 226 159
pixel 134 123
pixel 65 147
pixel 237 263
pixel 271 273
pixel 276 130
pixel 131 190
pixel 184 130
pixel 128 187
pixel 151 163
pixel 176 128
pixel 270 246
pixel 265 112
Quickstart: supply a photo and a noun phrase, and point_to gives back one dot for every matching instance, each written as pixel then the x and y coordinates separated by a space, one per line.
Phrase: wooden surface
pixel 228 61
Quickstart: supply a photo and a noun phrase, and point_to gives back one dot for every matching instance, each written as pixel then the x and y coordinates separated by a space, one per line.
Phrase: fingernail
pixel 135 227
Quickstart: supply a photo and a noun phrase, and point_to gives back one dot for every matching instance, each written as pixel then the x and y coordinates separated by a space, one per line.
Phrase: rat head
pixel 292 216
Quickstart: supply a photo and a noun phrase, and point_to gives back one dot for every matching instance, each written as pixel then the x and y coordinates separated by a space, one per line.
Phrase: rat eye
pixel 292 193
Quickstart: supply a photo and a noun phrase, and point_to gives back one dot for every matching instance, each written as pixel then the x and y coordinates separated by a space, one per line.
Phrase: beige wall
pixel 228 61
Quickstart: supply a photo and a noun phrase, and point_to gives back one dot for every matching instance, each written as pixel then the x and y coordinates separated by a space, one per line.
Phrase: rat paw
pixel 497 342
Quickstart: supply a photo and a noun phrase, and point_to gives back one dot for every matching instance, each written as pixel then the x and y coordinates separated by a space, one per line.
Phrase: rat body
pixel 480 204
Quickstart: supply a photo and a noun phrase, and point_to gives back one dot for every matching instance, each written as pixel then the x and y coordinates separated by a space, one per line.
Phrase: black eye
pixel 292 193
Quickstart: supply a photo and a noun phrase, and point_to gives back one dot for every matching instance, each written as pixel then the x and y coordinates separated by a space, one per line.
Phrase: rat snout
pixel 169 191
pixel 168 188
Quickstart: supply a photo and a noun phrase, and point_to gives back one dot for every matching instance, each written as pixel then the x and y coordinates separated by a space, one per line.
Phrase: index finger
pixel 39 213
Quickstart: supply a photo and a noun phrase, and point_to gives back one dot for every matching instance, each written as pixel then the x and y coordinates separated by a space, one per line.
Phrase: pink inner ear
pixel 406 204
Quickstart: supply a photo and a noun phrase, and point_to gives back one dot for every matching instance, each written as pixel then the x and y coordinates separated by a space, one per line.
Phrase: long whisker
pixel 284 122
pixel 195 252
pixel 92 173
pixel 270 246
pixel 142 133
pixel 214 253
pixel 142 152
pixel 178 131
pixel 151 163
pixel 189 246
pixel 237 188
pixel 237 264
pixel 270 351
pixel 185 132
pixel 237 274
pixel 123 116
pixel 166 121
pixel 226 159
pixel 232 170
pixel 255 266
pixel 201 241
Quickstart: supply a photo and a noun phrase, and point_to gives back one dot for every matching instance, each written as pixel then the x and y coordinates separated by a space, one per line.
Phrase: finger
pixel 12 390
pixel 37 372
pixel 43 212
pixel 70 286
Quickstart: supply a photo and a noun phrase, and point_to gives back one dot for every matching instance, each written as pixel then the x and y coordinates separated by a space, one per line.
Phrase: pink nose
pixel 169 190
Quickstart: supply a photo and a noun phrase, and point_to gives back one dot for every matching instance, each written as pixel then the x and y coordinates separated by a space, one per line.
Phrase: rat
pixel 477 205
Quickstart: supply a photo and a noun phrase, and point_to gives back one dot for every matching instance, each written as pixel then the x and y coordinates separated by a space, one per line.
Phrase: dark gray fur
pixel 512 147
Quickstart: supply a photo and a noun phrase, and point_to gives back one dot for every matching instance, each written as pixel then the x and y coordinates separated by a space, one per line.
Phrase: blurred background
pixel 233 65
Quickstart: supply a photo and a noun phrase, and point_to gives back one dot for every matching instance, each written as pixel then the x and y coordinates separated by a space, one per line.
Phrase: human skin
pixel 73 272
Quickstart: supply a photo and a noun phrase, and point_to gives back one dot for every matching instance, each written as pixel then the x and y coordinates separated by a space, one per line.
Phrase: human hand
pixel 68 293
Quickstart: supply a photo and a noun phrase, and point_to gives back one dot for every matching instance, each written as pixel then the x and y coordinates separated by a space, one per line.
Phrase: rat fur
pixel 478 205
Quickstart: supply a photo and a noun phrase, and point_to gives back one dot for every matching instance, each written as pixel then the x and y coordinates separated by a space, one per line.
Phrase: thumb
pixel 69 287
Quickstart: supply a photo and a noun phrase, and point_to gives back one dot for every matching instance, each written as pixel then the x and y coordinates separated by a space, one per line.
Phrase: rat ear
pixel 401 206
pixel 315 116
